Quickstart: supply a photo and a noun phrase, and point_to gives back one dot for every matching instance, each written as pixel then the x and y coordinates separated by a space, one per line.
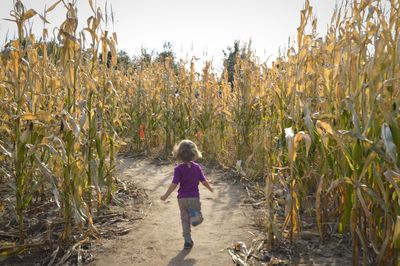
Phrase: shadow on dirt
pixel 179 259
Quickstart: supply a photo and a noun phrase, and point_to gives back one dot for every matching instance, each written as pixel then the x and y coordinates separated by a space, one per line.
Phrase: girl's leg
pixel 194 203
pixel 185 219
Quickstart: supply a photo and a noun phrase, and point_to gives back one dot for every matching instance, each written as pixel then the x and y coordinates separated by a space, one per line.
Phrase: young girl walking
pixel 188 175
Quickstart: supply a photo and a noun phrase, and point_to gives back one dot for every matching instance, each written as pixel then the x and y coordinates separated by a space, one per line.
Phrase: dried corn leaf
pixel 29 14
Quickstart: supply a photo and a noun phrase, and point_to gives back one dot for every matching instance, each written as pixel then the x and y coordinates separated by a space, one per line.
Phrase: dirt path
pixel 157 239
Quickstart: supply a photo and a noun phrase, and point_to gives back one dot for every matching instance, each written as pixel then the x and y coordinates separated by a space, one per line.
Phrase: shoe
pixel 197 221
pixel 188 245
pixel 196 217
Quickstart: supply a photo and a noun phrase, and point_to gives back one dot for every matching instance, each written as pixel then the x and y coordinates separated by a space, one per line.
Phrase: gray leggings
pixel 184 205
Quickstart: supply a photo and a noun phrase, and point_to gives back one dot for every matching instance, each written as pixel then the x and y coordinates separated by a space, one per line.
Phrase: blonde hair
pixel 186 151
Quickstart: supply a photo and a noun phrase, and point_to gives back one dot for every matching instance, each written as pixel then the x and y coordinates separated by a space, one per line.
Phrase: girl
pixel 188 175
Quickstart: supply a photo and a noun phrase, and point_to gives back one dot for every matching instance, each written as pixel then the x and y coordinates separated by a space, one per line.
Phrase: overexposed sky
pixel 194 27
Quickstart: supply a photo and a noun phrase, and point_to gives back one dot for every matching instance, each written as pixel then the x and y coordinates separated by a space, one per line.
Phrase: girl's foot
pixel 188 244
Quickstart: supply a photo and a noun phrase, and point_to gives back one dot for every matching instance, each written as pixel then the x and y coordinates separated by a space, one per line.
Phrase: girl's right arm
pixel 169 191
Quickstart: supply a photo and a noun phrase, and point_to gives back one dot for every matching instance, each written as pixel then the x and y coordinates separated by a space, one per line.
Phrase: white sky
pixel 194 27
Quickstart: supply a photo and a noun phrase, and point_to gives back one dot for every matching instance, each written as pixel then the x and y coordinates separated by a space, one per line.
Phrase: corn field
pixel 322 122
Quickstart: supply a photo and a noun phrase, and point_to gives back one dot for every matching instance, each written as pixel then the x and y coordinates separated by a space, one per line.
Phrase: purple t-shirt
pixel 188 179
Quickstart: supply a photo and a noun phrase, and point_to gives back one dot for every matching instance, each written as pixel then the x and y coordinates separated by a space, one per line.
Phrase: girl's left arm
pixel 169 191
pixel 207 185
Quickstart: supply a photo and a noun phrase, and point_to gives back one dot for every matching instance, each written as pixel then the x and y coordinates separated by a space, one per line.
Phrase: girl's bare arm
pixel 169 191
pixel 207 185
